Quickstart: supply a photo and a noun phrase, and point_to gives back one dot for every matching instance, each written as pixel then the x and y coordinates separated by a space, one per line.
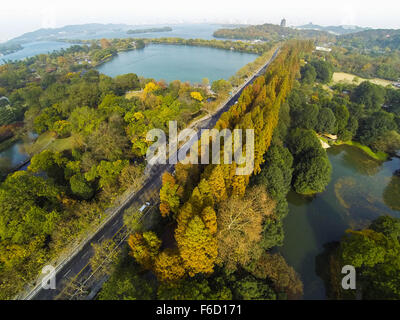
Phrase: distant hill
pixel 270 32
pixel 68 32
pixel 381 38
pixel 337 30
pixel 83 31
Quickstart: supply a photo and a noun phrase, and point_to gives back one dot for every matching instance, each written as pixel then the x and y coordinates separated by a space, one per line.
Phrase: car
pixel 146 204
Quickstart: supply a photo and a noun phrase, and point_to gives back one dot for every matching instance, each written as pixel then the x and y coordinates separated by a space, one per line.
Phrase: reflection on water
pixel 391 195
pixel 361 189
pixel 178 62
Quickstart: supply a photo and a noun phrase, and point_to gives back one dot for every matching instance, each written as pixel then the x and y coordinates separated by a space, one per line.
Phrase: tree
pixel 342 117
pixel 125 82
pixel 323 70
pixel 284 278
pixel 387 225
pixel 144 248
pixel 197 96
pixel 276 174
pixel 194 289
pixel 362 248
pixel 312 174
pixel 370 95
pixel 168 266
pixel 28 207
pixel 326 121
pixel 312 169
pixel 109 141
pixel 84 120
pixel 51 163
pixel 388 142
pixel 105 43
pixel 169 198
pixel 375 126
pixel 251 288
pixel 104 258
pixel 127 284
pixel 305 116
pixel 375 253
pixel 308 74
pixel 240 228
pixel 221 86
pixel 107 172
pixel 197 247
pixel 80 187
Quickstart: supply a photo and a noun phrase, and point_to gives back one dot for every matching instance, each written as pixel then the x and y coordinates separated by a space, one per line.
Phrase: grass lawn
pixel 59 145
pixel 381 156
pixel 49 141
pixel 351 78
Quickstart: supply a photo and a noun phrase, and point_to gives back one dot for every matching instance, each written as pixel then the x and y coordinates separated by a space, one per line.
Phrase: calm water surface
pixel 178 62
pixel 33 48
pixel 361 189
pixel 186 31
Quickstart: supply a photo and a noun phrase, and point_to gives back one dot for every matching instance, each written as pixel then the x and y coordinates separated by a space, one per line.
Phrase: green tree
pixel 308 74
pixel 370 95
pixel 323 69
pixel 80 187
pixel 29 207
pixel 326 121
pixel 251 288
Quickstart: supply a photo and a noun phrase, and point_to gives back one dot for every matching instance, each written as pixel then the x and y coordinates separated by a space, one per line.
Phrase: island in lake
pixel 148 30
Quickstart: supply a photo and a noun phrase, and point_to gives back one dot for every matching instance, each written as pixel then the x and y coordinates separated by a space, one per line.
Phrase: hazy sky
pixel 20 16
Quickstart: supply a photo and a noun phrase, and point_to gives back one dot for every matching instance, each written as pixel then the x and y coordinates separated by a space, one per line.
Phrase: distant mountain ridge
pixel 71 32
pixel 337 30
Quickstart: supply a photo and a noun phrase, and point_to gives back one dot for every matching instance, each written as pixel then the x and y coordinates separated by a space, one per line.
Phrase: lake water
pixel 178 62
pixel 12 157
pixel 186 31
pixel 33 48
pixel 360 190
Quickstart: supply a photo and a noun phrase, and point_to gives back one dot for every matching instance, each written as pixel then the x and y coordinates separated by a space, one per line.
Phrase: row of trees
pixel 97 153
pixel 220 223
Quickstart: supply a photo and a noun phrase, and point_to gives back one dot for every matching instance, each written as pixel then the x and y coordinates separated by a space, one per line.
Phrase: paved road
pixel 78 265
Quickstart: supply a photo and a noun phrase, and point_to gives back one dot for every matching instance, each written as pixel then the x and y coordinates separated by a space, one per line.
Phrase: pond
pixel 178 62
pixel 12 157
pixel 361 189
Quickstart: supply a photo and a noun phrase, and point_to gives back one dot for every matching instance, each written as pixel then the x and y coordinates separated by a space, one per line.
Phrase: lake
pixel 33 48
pixel 186 31
pixel 360 191
pixel 177 62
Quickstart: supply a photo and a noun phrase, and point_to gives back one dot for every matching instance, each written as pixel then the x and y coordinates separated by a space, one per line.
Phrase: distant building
pixel 283 22
pixel 323 49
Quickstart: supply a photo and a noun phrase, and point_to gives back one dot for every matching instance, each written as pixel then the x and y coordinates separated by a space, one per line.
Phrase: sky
pixel 20 16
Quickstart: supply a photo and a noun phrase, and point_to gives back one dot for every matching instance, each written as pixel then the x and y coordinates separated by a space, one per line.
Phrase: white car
pixel 141 209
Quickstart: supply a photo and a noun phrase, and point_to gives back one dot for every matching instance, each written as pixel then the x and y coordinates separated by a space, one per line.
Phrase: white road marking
pixel 67 273
pixel 101 237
